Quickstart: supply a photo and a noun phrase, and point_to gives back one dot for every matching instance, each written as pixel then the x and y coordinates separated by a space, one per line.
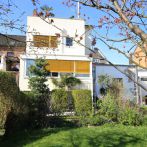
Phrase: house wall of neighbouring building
pixel 5 63
pixel 142 74
pixel 128 86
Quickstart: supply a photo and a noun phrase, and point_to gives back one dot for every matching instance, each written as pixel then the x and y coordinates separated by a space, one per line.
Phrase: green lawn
pixel 103 136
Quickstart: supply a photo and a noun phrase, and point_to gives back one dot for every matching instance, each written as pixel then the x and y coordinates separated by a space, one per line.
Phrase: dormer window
pixel 45 41
pixel 69 41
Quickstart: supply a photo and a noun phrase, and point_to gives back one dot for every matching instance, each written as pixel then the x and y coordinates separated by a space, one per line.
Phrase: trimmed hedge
pixel 82 102
pixel 59 101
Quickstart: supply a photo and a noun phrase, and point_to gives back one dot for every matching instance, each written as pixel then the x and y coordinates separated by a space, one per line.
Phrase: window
pixel 82 75
pixel 29 62
pixel 45 41
pixel 54 74
pixel 69 41
pixel 10 54
pixel 143 79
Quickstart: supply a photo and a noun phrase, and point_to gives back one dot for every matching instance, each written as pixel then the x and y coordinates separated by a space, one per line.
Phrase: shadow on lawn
pixel 22 138
pixel 105 139
pixel 76 138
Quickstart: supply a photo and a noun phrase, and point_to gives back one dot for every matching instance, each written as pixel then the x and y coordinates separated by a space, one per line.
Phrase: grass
pixel 103 136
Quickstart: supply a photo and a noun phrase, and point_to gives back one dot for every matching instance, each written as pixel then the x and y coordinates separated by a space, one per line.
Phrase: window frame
pixel 49 42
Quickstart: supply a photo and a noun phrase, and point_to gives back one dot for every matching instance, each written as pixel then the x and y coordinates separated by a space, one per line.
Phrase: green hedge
pixel 59 101
pixel 10 97
pixel 82 102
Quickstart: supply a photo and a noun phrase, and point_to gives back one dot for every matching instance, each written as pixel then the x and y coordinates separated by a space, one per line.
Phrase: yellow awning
pixel 82 67
pixel 60 66
pixel 68 66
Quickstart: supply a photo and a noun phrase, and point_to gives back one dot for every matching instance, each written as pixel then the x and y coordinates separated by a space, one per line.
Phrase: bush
pixel 98 120
pixel 144 110
pixel 109 107
pixel 82 102
pixel 130 116
pixel 10 99
pixel 114 109
pixel 59 101
pixel 145 120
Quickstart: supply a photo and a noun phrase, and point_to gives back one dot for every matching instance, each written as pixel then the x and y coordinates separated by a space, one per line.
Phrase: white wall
pixel 3 63
pixel 71 27
pixel 128 86
pixel 142 73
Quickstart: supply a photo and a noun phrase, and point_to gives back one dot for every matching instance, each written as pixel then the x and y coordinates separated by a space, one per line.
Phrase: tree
pixel 66 81
pixel 39 88
pixel 125 18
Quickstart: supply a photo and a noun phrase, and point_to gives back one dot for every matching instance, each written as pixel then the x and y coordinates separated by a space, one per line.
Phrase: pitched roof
pixel 12 40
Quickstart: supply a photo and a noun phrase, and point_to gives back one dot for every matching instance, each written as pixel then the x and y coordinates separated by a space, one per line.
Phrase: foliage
pixel 40 89
pixel 144 110
pixel 109 107
pixel 59 101
pixel 96 120
pixel 130 116
pixel 120 111
pixel 13 104
pixel 82 102
pixel 66 81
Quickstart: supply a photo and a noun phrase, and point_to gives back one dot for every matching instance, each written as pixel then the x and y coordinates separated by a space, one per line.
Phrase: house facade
pixel 62 43
pixel 127 85
pixel 11 46
pixel 65 46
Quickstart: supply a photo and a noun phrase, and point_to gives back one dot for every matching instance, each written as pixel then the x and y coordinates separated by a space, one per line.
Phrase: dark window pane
pixel 69 41
pixel 54 74
pixel 10 54
pixel 143 79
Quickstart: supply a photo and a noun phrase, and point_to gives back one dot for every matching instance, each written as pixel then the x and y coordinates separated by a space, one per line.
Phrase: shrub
pixel 10 99
pixel 109 107
pixel 130 116
pixel 98 120
pixel 59 101
pixel 82 102
pixel 144 110
pixel 145 120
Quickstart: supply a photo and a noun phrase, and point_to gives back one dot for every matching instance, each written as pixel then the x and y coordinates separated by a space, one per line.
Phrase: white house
pixel 62 43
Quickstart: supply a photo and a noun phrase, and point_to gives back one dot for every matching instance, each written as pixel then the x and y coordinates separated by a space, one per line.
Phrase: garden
pixel 39 117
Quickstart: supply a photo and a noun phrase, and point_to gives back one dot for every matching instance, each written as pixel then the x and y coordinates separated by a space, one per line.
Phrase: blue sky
pixel 62 11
